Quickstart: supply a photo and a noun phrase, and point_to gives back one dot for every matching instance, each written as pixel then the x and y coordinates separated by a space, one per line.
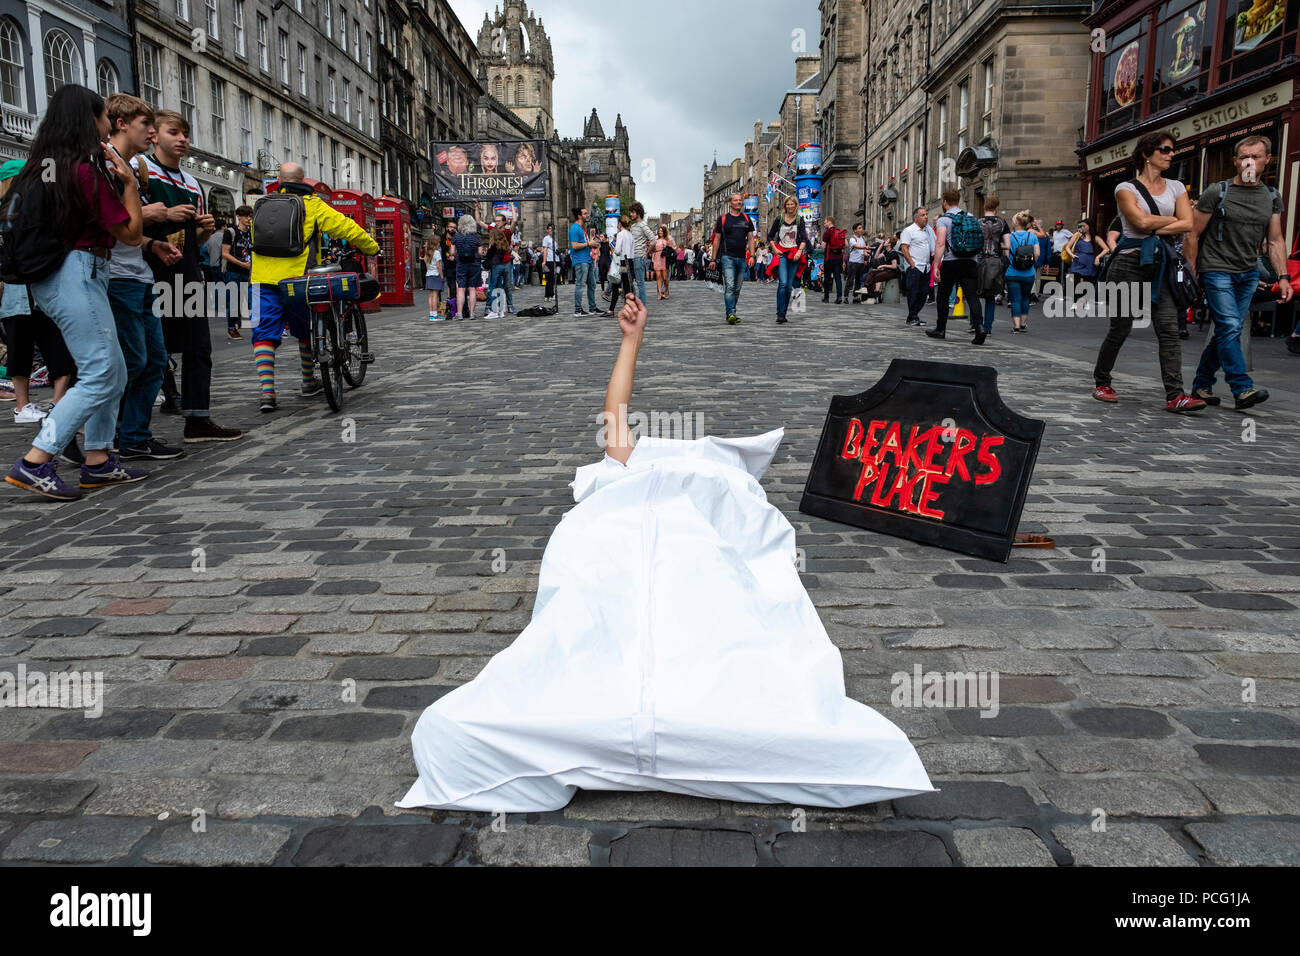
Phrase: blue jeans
pixel 641 265
pixel 75 298
pixel 1018 295
pixel 785 278
pixel 1228 295
pixel 501 279
pixel 584 275
pixel 733 271
pixel 140 334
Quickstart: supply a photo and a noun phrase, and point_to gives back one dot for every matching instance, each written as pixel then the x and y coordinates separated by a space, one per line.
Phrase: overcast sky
pixel 689 77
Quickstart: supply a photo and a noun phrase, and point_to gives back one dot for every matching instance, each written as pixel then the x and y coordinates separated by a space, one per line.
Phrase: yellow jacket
pixel 320 217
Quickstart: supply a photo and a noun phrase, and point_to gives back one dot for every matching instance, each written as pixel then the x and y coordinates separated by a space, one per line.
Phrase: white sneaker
pixel 29 414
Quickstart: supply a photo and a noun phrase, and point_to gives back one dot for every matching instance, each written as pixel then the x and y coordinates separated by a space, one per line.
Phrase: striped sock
pixel 264 358
pixel 307 361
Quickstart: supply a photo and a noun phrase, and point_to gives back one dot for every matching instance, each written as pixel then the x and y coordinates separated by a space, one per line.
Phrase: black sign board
pixel 929 453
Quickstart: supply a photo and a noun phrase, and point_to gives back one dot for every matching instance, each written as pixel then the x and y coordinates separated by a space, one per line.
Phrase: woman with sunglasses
pixel 1139 267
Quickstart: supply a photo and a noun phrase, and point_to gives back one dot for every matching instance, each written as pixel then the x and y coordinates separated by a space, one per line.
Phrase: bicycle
pixel 339 340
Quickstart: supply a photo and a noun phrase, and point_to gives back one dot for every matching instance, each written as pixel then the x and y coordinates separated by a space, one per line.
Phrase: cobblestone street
pixel 270 616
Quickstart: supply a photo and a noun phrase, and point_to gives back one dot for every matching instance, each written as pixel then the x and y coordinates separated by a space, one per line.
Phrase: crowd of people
pixel 105 245
pixel 85 251
pixel 84 245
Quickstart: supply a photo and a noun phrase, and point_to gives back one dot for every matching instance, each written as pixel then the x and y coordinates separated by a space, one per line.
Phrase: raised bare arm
pixel 631 319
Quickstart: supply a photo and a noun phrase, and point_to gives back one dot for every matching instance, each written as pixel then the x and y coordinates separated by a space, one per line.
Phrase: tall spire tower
pixel 516 55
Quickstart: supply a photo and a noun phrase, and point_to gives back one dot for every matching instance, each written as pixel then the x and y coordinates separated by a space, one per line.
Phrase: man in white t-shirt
pixel 548 261
pixel 857 260
pixel 916 244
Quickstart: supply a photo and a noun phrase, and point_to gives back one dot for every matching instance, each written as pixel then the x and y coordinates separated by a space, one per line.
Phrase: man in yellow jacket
pixel 270 312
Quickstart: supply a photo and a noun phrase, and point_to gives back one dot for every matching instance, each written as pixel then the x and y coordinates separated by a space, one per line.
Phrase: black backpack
pixel 992 227
pixel 670 255
pixel 29 250
pixel 1024 255
pixel 278 225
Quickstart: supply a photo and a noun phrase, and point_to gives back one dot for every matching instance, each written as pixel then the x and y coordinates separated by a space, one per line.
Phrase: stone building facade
pixel 517 76
pixel 838 121
pixel 986 96
pixel 428 76
pixel 52 43
pixel 262 84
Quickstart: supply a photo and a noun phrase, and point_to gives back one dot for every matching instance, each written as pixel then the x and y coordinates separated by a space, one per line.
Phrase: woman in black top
pixel 603 261
pixel 789 240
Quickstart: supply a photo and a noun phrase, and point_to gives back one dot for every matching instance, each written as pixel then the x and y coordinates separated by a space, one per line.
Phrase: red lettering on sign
pixel 933 450
pixel 880 486
pixel 912 453
pixel 989 460
pixel 912 479
pixel 962 446
pixel 867 474
pixel 852 441
pixel 893 443
pixel 929 494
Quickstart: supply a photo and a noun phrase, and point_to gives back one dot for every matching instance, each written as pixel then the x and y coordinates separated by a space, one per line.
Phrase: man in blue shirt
pixel 584 271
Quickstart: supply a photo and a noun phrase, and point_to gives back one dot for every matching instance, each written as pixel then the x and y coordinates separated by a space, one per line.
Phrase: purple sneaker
pixel 42 480
pixel 110 472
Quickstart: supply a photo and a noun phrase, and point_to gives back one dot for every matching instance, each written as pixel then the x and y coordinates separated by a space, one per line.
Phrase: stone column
pixel 35 36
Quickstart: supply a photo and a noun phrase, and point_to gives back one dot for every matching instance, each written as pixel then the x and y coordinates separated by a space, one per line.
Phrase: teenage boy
pixel 130 290
pixel 236 264
pixel 188 225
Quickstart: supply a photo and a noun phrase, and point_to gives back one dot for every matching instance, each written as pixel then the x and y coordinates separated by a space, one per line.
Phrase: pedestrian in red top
pixel 835 241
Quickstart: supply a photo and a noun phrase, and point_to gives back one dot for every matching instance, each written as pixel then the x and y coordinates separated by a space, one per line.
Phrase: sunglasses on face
pixel 1164 149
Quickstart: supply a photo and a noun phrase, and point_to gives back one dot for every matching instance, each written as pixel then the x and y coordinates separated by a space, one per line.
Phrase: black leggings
pixel 24 334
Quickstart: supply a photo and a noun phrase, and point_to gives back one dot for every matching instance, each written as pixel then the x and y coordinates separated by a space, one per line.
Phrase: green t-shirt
pixel 1249 210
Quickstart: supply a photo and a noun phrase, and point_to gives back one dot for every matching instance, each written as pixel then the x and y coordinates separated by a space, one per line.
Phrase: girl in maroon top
pixel 89 197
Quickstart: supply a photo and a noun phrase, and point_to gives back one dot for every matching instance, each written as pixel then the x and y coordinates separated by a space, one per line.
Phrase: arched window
pixel 106 78
pixel 13 91
pixel 496 88
pixel 519 91
pixel 510 90
pixel 62 61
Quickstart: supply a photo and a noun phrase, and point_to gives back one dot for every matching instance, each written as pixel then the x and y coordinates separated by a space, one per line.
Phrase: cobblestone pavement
pixel 347 584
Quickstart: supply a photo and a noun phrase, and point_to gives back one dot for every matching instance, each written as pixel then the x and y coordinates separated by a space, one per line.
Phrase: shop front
pixel 1210 72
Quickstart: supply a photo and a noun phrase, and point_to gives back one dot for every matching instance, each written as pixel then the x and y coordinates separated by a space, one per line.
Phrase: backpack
pixel 278 226
pixel 965 237
pixel 836 243
pixel 992 227
pixel 1024 255
pixel 989 275
pixel 29 250
pixel 670 255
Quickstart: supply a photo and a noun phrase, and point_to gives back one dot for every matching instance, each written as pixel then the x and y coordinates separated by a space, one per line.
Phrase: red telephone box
pixel 393 225
pixel 360 208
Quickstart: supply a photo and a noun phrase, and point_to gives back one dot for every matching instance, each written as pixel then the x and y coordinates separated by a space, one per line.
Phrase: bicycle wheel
pixel 355 344
pixel 330 360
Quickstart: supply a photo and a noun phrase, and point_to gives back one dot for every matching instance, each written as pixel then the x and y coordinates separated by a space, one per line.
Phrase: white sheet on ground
pixel 672 647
